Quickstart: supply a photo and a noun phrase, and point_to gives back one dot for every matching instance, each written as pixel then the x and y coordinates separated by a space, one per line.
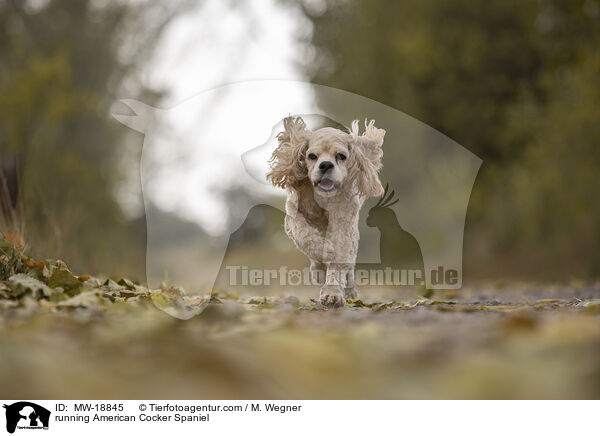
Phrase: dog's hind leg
pixel 350 291
pixel 318 271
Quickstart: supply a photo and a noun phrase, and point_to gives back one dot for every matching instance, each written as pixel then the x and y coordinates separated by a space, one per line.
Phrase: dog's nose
pixel 325 165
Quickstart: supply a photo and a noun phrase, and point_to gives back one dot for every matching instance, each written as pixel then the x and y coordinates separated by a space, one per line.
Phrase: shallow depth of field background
pixel 515 82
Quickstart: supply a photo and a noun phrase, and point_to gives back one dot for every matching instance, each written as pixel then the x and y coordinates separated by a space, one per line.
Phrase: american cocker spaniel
pixel 328 174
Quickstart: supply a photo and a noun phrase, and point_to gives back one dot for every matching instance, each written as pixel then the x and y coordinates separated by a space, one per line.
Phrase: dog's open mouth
pixel 327 185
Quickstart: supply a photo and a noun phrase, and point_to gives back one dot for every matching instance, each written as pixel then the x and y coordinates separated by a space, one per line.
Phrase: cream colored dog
pixel 328 174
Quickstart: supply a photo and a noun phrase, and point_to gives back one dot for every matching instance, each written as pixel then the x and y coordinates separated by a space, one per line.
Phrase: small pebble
pixel 292 300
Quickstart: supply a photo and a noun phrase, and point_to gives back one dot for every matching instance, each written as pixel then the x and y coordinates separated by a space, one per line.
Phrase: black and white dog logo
pixel 26 415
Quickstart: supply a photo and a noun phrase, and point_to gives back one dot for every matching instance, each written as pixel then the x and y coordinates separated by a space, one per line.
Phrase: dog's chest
pixel 315 215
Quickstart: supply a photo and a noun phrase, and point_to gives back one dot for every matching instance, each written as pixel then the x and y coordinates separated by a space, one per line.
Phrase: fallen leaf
pixel 84 299
pixel 21 283
pixel 64 279
pixel 38 265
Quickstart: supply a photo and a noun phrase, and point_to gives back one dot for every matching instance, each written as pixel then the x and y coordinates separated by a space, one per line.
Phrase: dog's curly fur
pixel 328 174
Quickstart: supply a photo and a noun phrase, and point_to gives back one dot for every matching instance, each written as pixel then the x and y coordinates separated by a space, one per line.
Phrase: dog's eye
pixel 340 156
pixel 312 156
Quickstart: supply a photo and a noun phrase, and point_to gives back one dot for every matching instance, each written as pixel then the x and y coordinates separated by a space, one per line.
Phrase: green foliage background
pixel 515 82
pixel 62 65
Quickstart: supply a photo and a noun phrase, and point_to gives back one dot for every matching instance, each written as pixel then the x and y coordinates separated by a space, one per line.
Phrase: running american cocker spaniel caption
pixel 328 174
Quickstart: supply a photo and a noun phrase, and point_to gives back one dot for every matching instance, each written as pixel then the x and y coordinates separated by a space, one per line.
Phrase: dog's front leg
pixel 343 232
pixel 339 279
pixel 332 292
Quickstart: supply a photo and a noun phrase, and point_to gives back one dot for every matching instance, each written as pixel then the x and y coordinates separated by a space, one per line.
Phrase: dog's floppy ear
pixel 365 158
pixel 288 166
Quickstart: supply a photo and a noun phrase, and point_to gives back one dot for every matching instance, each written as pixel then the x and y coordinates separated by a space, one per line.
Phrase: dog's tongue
pixel 326 184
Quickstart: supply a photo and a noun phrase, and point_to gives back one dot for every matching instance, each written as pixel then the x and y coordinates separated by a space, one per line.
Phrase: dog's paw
pixel 351 293
pixel 332 296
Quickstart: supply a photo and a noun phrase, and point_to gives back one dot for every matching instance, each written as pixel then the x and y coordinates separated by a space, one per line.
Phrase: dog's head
pixel 329 159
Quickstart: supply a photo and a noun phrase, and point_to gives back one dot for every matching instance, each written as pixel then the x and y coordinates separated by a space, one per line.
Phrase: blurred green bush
pixel 62 64
pixel 515 82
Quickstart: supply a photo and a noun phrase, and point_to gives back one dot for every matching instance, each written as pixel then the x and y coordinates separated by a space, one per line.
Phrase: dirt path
pixel 110 340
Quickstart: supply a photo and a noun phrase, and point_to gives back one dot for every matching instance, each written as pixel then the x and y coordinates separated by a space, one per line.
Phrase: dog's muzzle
pixel 326 185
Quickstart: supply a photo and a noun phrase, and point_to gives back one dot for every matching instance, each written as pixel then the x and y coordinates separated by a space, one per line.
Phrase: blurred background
pixel 515 82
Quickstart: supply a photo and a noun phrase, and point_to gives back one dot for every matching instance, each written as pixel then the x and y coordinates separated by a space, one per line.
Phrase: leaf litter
pixel 122 339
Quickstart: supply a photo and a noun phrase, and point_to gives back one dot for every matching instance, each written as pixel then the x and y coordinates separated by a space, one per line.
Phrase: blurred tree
pixel 454 65
pixel 513 81
pixel 62 64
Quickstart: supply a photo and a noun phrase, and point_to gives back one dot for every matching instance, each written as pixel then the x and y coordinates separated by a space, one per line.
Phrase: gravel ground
pixel 508 341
